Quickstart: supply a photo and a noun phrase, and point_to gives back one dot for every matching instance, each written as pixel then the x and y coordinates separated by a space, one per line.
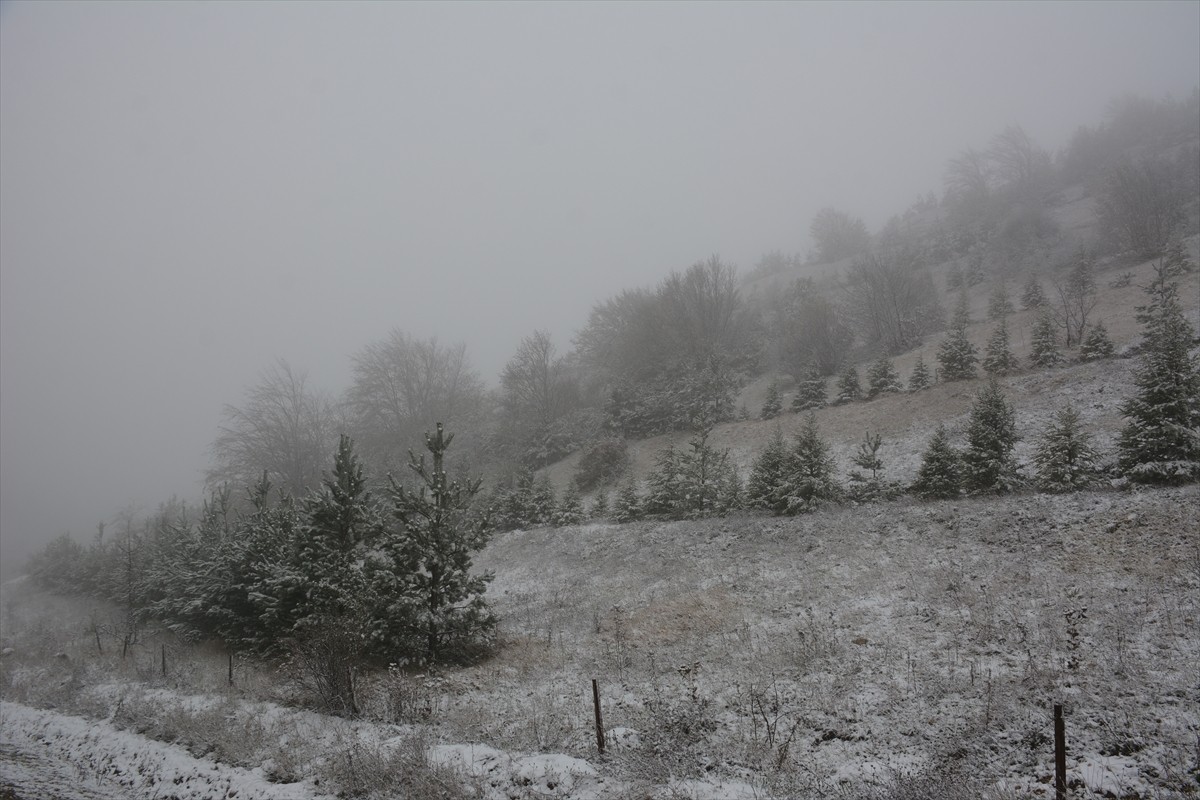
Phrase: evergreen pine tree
pixel 599 508
pixel 519 509
pixel 940 475
pixel 813 470
pixel 882 378
pixel 730 490
pixel 849 388
pixel 772 406
pixel 570 507
pixel 704 475
pixel 920 378
pixel 1044 349
pixel 999 303
pixel 628 505
pixel 342 516
pixel 1096 345
pixel 988 461
pixel 434 608
pixel 810 392
pixel 664 486
pixel 770 477
pixel 1032 295
pixel 1160 442
pixel 956 355
pixel 1064 457
pixel 543 504
pixel 998 358
pixel 867 486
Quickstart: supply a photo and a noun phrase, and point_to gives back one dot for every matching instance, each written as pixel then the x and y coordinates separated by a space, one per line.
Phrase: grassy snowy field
pixel 900 650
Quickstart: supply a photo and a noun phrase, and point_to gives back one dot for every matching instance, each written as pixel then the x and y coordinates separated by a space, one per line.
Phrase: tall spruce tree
pixel 941 473
pixel 957 357
pixel 921 378
pixel 570 507
pixel 998 358
pixel 772 406
pixel 813 477
pixel 1064 457
pixel 435 608
pixel 627 507
pixel 1097 345
pixel 1033 295
pixel 599 509
pixel 1044 347
pixel 988 461
pixel 849 389
pixel 1160 442
pixel 770 476
pixel 810 391
pixel 999 303
pixel 664 485
pixel 882 378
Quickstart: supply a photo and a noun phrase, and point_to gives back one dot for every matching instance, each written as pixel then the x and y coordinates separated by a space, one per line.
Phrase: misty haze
pixel 598 400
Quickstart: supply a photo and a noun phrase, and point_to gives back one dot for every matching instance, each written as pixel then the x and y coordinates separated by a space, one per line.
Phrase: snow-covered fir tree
pixel 599 509
pixel 814 473
pixel 957 357
pixel 435 608
pixel 810 391
pixel 542 503
pixel 1064 457
pixel 849 389
pixel 999 303
pixel 1032 294
pixel 988 461
pixel 868 484
pixel 1097 345
pixel 921 377
pixel 941 473
pixel 342 517
pixel 1160 442
pixel 772 405
pixel 882 378
pixel 1044 345
pixel 664 485
pixel 570 507
pixel 998 358
pixel 627 507
pixel 770 476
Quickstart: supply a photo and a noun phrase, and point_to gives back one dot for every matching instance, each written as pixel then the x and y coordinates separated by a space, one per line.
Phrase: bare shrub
pixel 368 769
pixel 324 663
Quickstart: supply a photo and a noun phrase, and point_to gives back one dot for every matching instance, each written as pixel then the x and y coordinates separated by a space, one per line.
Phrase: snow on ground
pixel 47 754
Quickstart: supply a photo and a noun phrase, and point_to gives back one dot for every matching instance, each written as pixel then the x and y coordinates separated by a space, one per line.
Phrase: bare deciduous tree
pixel 1076 299
pixel 892 300
pixel 282 428
pixel 1141 205
pixel 403 386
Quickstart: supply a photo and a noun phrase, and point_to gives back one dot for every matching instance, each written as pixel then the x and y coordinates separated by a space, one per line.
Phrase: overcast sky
pixel 190 190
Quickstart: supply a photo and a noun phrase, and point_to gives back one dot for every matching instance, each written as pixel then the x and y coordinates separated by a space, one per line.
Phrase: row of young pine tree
pixel 342 572
pixel 371 579
pixel 1159 444
pixel 958 359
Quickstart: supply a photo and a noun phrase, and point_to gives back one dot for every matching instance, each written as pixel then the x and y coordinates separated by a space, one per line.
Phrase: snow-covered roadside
pixel 46 754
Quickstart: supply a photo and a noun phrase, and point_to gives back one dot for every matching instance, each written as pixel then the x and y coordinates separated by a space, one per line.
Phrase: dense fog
pixel 190 192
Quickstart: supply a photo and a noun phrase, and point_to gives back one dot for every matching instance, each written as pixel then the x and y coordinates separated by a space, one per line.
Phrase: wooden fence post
pixel 231 668
pixel 1060 754
pixel 599 719
pixel 164 660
